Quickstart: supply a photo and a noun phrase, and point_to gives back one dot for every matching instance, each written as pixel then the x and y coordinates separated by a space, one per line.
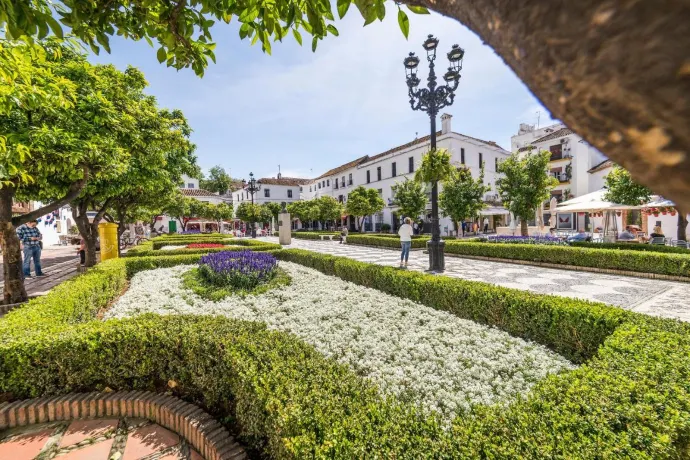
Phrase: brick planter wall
pixel 197 427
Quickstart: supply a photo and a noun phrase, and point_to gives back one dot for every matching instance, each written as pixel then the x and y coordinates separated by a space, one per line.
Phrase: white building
pixel 190 188
pixel 579 167
pixel 383 170
pixel 273 190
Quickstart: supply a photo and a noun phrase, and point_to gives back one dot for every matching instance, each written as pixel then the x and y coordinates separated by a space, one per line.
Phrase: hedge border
pixel 197 427
pixel 632 247
pixel 630 399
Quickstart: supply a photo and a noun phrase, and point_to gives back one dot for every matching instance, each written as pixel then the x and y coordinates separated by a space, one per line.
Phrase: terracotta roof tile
pixel 341 168
pixel 603 165
pixel 554 135
pixel 196 192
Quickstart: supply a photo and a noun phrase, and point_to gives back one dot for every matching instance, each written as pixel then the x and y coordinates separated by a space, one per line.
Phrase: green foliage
pixel 632 247
pixel 329 209
pixel 615 259
pixel 435 167
pixel 219 212
pixel 462 196
pixel 274 209
pixel 311 235
pixel 236 246
pixel 384 242
pixel 622 189
pixel 410 198
pixel 252 213
pixel 158 243
pixel 203 287
pixel 524 184
pixel 629 399
pixel 362 202
pixel 218 181
pixel 182 29
pixel 306 211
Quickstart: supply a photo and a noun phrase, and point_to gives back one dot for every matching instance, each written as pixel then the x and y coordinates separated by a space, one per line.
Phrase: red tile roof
pixel 341 168
pixel 554 135
pixel 603 165
pixel 197 192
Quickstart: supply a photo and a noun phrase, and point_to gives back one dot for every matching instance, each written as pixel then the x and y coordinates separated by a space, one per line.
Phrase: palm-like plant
pixel 435 167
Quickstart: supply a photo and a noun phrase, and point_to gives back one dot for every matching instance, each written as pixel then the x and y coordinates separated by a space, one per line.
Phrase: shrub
pixel 631 399
pixel 201 286
pixel 311 235
pixel 159 243
pixel 382 241
pixel 242 270
pixel 637 261
pixel 518 239
pixel 204 246
pixel 633 247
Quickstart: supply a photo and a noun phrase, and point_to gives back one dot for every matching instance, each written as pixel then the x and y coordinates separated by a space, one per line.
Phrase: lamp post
pixel 252 187
pixel 430 100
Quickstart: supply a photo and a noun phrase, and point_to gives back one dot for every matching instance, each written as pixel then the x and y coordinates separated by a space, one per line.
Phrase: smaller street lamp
pixel 252 187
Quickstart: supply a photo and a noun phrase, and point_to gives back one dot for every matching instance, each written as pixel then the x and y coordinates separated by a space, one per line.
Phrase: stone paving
pixel 95 439
pixel 654 297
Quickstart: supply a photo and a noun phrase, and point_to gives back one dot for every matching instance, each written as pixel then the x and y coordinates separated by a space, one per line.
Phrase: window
pixel 289 193
pixel 328 182
pixel 324 183
pixel 496 164
pixel 462 155
pixel 267 193
pixel 319 184
pixel 556 152
pixel 190 185
pixel 380 192
pixel 410 162
pixel 310 188
pixel 343 183
pixel 481 160
pixel 340 198
pixel 300 189
pixel 349 179
pixel 378 173
pixel 368 176
pixel 335 184
pixel 393 170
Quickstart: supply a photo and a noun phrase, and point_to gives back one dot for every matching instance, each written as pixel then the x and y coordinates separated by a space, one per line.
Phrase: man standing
pixel 486 225
pixel 31 238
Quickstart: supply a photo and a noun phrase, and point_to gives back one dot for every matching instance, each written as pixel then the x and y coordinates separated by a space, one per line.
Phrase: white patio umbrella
pixel 593 201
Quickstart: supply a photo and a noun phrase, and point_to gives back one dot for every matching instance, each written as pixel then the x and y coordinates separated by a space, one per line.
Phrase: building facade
pixel 579 167
pixel 383 170
pixel 272 190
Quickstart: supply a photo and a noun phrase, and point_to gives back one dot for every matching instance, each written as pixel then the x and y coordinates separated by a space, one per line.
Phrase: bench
pixel 330 237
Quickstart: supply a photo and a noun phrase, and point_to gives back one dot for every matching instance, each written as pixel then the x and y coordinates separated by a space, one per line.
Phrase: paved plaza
pixel 654 297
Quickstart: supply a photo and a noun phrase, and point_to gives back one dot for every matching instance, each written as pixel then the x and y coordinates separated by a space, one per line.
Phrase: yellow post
pixel 107 232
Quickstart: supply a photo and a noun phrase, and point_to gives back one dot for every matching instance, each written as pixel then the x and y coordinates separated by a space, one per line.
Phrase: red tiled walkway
pixel 97 439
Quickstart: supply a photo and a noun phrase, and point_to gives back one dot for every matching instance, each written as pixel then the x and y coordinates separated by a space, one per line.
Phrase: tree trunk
pixel 682 224
pixel 524 231
pixel 615 71
pixel 87 230
pixel 120 231
pixel 14 291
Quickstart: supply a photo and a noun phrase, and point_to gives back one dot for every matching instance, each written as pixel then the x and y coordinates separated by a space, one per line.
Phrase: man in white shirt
pixel 405 233
pixel 486 225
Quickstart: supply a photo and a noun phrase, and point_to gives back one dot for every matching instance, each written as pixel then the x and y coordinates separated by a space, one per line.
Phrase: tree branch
pixel 73 192
pixel 616 72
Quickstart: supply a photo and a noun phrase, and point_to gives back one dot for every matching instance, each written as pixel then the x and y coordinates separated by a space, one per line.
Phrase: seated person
pixel 581 235
pixel 627 235
pixel 657 233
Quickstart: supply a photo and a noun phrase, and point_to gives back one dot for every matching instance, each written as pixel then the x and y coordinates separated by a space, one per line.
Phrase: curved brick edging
pixel 197 427
pixel 607 271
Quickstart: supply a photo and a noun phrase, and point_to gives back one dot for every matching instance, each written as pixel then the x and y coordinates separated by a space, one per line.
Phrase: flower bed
pixel 517 239
pixel 201 246
pixel 176 248
pixel 160 242
pixel 630 398
pixel 636 261
pixel 412 351
pixel 243 270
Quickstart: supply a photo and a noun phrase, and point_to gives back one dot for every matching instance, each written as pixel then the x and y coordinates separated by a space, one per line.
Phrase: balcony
pixel 560 156
pixel 562 177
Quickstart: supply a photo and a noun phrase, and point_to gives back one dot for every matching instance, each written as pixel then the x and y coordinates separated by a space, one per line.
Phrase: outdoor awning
pixel 591 202
pixel 494 211
pixel 659 202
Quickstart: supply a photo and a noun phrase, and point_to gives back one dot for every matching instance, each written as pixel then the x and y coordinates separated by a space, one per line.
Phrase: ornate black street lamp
pixel 252 187
pixel 430 100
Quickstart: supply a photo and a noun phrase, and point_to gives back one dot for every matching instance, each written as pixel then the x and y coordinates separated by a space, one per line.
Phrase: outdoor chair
pixel 659 240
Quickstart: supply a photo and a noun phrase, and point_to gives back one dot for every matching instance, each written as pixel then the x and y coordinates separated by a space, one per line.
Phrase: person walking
pixel 31 237
pixel 343 234
pixel 405 233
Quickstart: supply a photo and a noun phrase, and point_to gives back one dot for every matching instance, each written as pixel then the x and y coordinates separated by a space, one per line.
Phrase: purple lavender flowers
pixel 190 232
pixel 547 239
pixel 238 269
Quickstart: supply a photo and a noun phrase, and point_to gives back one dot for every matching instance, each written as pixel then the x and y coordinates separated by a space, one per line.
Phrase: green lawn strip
pixel 630 398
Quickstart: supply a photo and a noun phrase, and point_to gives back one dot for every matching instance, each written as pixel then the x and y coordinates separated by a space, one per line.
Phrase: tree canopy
pixel 217 181
pixel 524 184
pixel 622 189
pixel 362 202
pixel 306 211
pixel 462 196
pixel 252 213
pixel 410 197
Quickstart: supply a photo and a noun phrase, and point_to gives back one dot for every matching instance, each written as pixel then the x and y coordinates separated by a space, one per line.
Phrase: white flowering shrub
pixel 421 355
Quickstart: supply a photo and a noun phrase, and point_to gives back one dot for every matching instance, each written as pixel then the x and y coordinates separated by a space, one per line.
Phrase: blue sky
pixel 309 112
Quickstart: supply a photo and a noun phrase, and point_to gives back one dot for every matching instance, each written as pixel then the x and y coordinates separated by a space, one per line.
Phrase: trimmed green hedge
pixel 311 235
pixel 631 399
pixel 383 241
pixel 159 243
pixel 237 245
pixel 632 247
pixel 637 261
